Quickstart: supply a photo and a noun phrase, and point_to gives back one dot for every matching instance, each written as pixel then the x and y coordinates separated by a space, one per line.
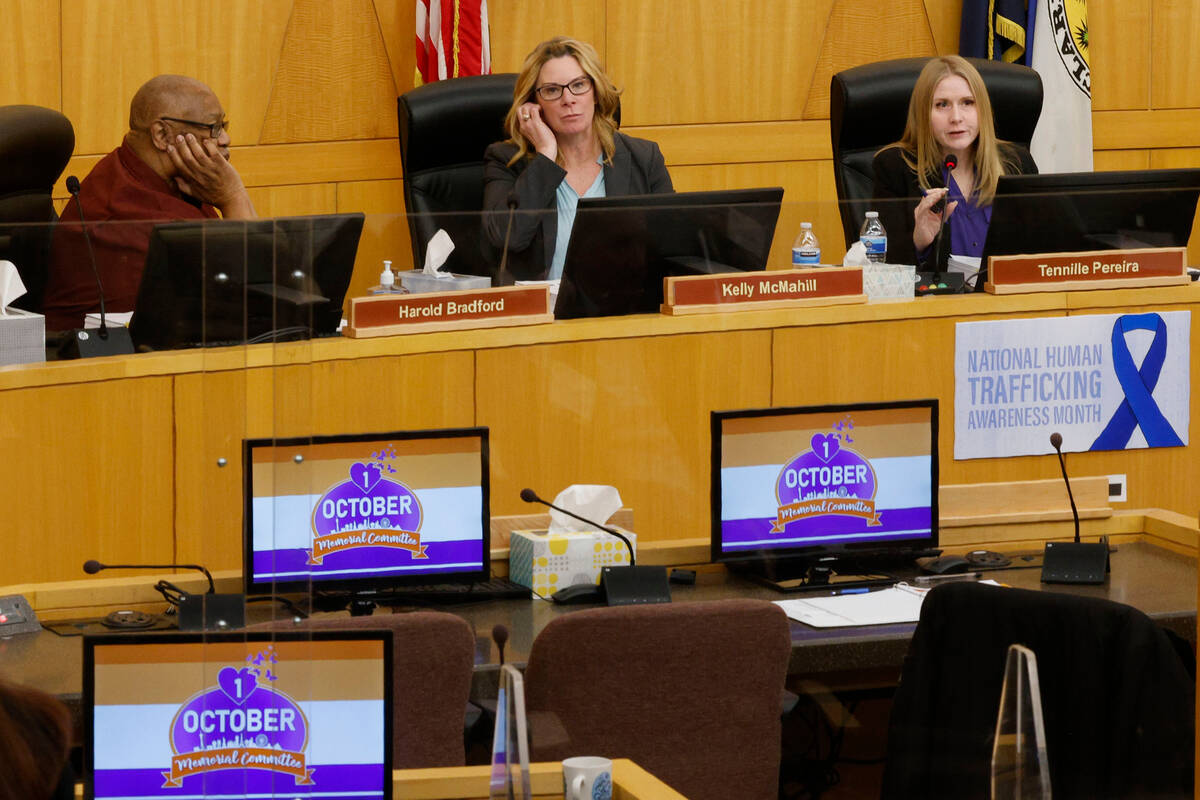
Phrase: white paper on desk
pixel 11 285
pixel 900 603
pixel 113 319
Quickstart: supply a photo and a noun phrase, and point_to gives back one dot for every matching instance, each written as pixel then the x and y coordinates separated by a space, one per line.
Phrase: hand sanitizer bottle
pixel 387 282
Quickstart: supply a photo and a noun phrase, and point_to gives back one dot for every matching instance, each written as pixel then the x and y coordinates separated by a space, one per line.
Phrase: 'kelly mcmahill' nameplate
pixel 746 291
pixel 1093 269
pixel 390 314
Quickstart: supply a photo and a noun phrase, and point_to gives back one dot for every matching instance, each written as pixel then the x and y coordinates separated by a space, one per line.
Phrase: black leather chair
pixel 868 106
pixel 1117 698
pixel 444 128
pixel 35 145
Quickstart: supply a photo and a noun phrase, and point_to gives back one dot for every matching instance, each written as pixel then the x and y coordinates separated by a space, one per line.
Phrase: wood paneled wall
pixel 736 92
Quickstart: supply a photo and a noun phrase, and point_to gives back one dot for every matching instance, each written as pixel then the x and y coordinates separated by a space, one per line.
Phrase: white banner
pixel 1105 382
pixel 1062 141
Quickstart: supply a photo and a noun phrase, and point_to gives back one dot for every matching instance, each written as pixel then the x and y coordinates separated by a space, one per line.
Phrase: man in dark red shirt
pixel 172 165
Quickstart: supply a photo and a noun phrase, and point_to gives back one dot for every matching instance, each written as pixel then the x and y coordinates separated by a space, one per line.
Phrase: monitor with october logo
pixel 238 715
pixel 366 512
pixel 824 481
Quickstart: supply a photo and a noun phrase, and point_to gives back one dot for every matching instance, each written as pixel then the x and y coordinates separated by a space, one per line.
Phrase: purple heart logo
pixel 237 684
pixel 365 476
pixel 825 445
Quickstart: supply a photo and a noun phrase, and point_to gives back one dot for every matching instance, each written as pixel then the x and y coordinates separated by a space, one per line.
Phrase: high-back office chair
pixel 868 106
pixel 433 658
pixel 689 691
pixel 444 128
pixel 1116 697
pixel 35 145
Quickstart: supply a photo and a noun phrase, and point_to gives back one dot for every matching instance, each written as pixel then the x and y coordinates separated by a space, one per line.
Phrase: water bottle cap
pixel 872 214
pixel 805 225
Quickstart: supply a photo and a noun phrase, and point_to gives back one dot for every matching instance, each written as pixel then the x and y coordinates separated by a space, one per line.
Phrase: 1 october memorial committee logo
pixel 244 722
pixel 827 479
pixel 368 509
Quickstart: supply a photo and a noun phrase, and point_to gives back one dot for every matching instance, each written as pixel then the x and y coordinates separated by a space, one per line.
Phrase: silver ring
pixel 524 116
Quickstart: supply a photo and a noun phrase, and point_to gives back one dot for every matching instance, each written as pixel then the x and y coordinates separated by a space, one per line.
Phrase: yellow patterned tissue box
pixel 548 562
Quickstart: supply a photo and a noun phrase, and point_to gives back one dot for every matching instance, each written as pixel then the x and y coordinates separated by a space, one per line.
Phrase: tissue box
pixel 889 281
pixel 22 337
pixel 548 562
pixel 417 282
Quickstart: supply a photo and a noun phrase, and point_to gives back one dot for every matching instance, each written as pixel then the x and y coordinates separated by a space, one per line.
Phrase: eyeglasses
pixel 553 91
pixel 214 128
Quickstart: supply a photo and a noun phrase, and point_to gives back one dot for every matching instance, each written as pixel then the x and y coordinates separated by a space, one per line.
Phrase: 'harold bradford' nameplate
pixel 1093 269
pixel 745 291
pixel 389 314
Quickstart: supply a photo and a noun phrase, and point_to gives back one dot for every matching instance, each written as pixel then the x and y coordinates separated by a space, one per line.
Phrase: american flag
pixel 452 40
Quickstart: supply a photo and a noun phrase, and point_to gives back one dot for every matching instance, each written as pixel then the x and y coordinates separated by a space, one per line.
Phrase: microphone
pixel 530 496
pixel 620 586
pixel 80 343
pixel 500 637
pixel 1056 443
pixel 92 566
pixel 513 203
pixel 1073 562
pixel 939 208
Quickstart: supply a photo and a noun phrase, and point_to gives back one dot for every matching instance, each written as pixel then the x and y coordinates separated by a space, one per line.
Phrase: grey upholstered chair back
pixel 689 691
pixel 35 145
pixel 433 659
pixel 868 106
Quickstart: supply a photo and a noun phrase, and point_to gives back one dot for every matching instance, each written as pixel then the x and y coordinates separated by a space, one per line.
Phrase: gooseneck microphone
pixel 500 637
pixel 1073 562
pixel 619 585
pixel 939 208
pixel 1056 443
pixel 92 566
pixel 80 343
pixel 530 496
pixel 513 203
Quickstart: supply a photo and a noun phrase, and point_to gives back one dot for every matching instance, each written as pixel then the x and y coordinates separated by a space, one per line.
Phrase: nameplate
pixel 1094 269
pixel 745 291
pixel 387 315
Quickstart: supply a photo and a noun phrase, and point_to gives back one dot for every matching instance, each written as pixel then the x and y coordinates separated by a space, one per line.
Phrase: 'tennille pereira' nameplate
pixel 746 291
pixel 1093 269
pixel 390 314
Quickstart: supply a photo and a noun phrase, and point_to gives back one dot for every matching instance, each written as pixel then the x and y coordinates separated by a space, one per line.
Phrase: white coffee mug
pixel 587 778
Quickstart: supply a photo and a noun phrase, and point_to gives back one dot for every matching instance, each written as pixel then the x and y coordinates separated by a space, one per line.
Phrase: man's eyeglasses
pixel 214 128
pixel 553 91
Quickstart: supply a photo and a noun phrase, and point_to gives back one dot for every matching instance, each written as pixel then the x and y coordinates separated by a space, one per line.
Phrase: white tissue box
pixel 889 281
pixel 548 562
pixel 417 282
pixel 22 337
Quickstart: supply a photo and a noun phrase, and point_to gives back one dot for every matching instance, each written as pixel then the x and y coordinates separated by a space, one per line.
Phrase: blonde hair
pixel 607 97
pixel 992 158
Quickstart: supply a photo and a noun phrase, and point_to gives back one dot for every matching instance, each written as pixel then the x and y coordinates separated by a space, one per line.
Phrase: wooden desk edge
pixel 630 782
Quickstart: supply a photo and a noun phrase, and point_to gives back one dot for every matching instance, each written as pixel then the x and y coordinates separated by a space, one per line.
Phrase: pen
pixel 923 580
pixel 860 590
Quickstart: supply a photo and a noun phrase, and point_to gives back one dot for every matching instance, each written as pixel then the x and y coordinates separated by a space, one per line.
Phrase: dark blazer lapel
pixel 619 176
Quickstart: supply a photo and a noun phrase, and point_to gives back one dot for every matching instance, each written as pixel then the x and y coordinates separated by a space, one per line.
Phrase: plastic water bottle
pixel 806 250
pixel 874 238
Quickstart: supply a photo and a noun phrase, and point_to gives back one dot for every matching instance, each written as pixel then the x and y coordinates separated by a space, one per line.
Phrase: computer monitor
pixel 1076 211
pixel 222 282
pixel 238 715
pixel 621 248
pixel 366 513
pixel 793 487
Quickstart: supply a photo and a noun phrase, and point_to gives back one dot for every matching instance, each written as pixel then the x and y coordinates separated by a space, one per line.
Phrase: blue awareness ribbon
pixel 1139 408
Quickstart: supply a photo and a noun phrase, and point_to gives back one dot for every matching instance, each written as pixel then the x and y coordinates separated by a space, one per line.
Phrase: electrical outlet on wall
pixel 1116 488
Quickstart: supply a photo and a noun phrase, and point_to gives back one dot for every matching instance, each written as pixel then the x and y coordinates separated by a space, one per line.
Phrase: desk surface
pixel 1159 582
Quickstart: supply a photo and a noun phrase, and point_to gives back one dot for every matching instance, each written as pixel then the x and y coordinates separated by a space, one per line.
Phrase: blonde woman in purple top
pixel 949 114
